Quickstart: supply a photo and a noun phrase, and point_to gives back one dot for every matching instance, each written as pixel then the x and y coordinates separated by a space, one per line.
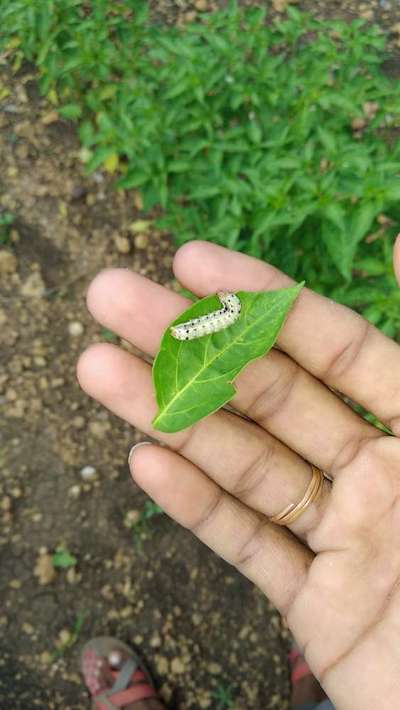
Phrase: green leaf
pixel 194 378
pixel 63 558
pixel 70 111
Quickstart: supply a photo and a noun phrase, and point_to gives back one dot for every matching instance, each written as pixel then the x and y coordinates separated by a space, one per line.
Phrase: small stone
pixel 99 429
pixel 34 286
pixel 57 382
pixel 367 14
pixel 177 666
pixel 78 422
pixel 39 361
pixel 88 473
pixel 370 108
pixel 358 123
pixel 64 638
pixel 44 569
pixel 75 328
pixel 122 243
pixel 190 16
pixel 73 577
pixel 131 518
pixel 75 491
pixel 5 504
pixel 141 241
pixel 45 658
pixel 214 668
pixel 15 584
pixel 50 117
pixel 16 492
pixel 161 664
pixel 11 394
pixel 201 5
pixel 155 641
pixel 8 262
pixel 197 619
pixel 27 628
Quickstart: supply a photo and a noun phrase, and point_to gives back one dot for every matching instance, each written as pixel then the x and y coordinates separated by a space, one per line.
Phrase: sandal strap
pixel 108 701
pixel 120 694
pixel 125 674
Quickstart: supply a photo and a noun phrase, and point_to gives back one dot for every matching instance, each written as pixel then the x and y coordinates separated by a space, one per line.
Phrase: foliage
pixel 193 379
pixel 224 696
pixel 140 527
pixel 6 221
pixel 275 138
pixel 63 558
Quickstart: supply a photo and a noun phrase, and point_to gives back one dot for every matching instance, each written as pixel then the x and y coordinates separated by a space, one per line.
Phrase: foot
pixel 305 688
pixel 116 678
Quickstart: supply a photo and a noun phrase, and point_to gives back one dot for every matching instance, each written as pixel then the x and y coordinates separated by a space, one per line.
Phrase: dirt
pixel 201 627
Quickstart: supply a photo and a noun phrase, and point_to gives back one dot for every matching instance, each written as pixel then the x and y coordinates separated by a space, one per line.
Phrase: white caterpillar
pixel 211 322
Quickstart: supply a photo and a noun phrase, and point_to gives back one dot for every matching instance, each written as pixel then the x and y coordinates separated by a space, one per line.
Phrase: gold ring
pixel 313 492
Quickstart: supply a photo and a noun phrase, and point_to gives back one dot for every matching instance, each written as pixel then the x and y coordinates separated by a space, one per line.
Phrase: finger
pixel 269 556
pixel 294 406
pixel 237 454
pixel 327 339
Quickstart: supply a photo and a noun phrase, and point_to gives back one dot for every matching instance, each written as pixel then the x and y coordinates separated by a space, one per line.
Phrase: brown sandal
pixel 132 682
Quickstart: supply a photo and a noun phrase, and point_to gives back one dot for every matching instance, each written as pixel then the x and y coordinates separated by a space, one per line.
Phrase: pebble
pixel 44 569
pixel 122 243
pixel 78 422
pixel 177 667
pixel 27 628
pixel 88 473
pixel 214 668
pixel 33 287
pixel 75 491
pixel 201 5
pixel 8 262
pixel 131 518
pixel 75 328
pixel 141 241
pixel 5 503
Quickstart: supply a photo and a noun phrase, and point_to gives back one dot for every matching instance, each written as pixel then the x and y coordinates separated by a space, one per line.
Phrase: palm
pixel 335 575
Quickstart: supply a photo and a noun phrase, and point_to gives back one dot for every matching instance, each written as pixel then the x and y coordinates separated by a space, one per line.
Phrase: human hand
pixel 335 574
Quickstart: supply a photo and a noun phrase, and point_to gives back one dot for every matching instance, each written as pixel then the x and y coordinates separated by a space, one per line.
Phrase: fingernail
pixel 136 446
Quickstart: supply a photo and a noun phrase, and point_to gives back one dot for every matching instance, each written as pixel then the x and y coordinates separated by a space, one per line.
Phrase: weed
pixel 63 558
pixel 6 221
pixel 140 527
pixel 223 694
pixel 67 639
pixel 108 336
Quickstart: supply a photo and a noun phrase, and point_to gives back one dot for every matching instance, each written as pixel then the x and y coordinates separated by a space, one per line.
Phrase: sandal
pixel 132 682
pixel 299 668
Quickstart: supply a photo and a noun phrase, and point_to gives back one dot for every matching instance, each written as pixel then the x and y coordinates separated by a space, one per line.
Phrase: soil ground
pixel 203 629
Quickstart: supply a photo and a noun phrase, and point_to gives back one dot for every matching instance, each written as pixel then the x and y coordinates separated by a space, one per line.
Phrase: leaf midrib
pixel 210 362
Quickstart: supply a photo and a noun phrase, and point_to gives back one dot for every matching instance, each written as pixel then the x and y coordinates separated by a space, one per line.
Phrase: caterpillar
pixel 211 322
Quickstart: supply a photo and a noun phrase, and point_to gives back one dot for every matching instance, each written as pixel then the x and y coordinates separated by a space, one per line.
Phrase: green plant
pixel 63 558
pixel 6 221
pixel 223 694
pixel 140 527
pixel 67 639
pixel 276 139
pixel 108 336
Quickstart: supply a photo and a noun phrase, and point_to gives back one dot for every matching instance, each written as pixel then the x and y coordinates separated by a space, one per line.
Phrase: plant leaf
pixel 194 378
pixel 63 558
